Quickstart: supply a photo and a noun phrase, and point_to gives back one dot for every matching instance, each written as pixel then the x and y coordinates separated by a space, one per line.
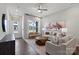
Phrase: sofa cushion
pixel 60 40
pixel 66 38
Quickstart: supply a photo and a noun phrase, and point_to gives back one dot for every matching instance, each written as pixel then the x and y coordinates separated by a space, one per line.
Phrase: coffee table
pixel 41 40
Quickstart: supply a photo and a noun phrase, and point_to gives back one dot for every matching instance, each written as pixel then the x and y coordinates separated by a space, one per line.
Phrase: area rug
pixel 39 49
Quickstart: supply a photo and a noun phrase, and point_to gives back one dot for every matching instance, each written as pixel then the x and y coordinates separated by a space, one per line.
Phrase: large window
pixel 32 26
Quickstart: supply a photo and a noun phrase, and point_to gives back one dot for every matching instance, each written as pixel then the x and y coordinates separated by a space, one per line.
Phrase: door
pixel 17 26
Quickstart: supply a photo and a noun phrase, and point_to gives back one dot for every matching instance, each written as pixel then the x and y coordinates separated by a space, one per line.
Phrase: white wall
pixel 69 16
pixel 72 19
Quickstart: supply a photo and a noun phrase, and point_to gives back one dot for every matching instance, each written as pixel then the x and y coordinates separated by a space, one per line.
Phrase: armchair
pixel 66 48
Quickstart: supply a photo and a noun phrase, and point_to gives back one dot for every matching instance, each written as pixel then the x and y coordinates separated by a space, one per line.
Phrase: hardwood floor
pixel 76 52
pixel 39 49
pixel 22 48
pixel 30 48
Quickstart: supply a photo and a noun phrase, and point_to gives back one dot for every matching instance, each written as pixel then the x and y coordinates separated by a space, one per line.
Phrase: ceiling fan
pixel 40 9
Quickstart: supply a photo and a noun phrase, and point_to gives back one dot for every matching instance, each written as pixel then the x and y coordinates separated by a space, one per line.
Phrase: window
pixel 15 27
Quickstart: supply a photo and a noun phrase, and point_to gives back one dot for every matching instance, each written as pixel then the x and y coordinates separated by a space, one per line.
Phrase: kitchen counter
pixel 7 45
pixel 2 35
pixel 7 37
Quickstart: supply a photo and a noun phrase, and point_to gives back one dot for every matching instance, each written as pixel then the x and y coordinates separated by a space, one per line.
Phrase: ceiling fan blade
pixel 44 9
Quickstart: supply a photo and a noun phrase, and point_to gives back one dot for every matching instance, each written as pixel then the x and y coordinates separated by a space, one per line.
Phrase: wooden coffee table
pixel 41 40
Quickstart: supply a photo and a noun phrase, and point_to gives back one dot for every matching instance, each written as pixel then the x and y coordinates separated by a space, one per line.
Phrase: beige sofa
pixel 32 35
pixel 66 48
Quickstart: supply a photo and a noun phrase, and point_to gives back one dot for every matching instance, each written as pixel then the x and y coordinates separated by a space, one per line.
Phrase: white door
pixel 17 26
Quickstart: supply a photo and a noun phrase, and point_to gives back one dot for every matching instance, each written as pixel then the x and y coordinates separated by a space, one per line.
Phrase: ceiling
pixel 31 8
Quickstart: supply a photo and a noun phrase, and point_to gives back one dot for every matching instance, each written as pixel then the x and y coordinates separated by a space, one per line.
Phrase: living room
pixel 41 28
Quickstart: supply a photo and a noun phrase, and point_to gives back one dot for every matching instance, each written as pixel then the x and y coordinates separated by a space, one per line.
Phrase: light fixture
pixel 39 11
pixel 41 8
